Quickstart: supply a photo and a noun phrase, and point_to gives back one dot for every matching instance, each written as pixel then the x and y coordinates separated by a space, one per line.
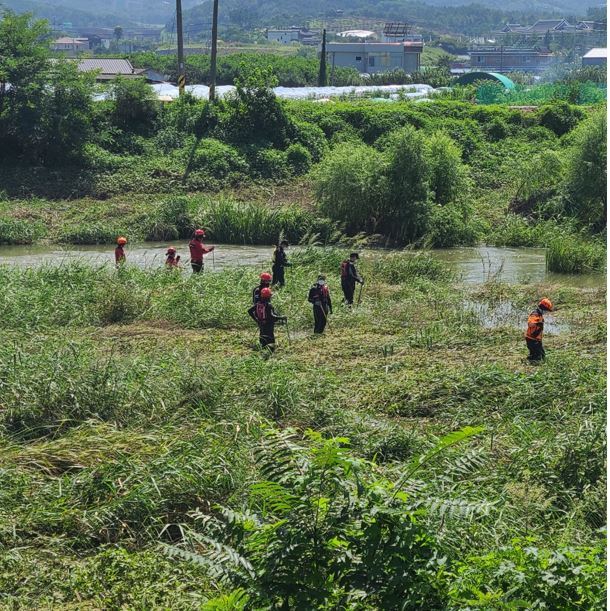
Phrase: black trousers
pixel 320 318
pixel 348 289
pixel 536 350
pixel 278 275
pixel 197 266
pixel 267 336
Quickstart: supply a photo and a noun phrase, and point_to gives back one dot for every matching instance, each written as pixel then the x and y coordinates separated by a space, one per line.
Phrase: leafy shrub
pixel 355 541
pixel 350 188
pixel 496 129
pixel 16 231
pixel 450 226
pixel 135 108
pixel 312 138
pixel 169 139
pixel 586 175
pixel 270 163
pixel 218 159
pixel 529 577
pixel 299 158
pixel 559 117
pixel 448 178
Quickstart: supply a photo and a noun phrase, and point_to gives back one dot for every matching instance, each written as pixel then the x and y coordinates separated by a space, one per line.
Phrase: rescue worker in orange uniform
pixel 535 327
pixel 171 260
pixel 198 250
pixel 266 317
pixel 119 252
pixel 265 283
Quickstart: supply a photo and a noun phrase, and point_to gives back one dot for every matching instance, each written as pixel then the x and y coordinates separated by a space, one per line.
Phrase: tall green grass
pixel 17 231
pixel 574 255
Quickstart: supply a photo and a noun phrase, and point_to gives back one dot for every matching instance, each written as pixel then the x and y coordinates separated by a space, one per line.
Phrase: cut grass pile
pixel 130 399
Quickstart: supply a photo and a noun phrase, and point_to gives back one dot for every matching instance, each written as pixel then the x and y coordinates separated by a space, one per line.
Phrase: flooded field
pixel 474 265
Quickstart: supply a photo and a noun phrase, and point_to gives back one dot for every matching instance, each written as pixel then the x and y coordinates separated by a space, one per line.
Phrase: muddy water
pixel 480 264
pixel 146 255
pixel 474 265
pixel 506 314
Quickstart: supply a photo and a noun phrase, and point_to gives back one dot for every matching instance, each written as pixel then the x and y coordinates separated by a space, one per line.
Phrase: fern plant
pixel 324 531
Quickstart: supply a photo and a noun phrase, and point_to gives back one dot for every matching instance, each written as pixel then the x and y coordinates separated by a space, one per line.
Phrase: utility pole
pixel 181 70
pixel 322 71
pixel 214 51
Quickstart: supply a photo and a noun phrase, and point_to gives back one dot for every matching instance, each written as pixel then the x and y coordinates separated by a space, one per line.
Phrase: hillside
pixel 460 18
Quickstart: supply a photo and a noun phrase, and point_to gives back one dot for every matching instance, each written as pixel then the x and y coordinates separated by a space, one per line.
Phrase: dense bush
pixel 218 159
pixel 573 255
pixel 559 117
pixel 135 107
pixel 299 158
pixel 451 225
pixel 448 178
pixel 586 179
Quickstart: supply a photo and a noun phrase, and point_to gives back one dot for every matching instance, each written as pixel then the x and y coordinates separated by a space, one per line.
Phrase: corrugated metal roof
pixel 599 52
pixel 106 66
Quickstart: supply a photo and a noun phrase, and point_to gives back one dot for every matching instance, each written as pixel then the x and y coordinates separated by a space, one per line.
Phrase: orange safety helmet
pixel 265 277
pixel 121 240
pixel 546 304
pixel 266 293
pixel 199 232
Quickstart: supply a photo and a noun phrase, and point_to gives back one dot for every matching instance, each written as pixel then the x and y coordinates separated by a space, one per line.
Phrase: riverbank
pixel 131 399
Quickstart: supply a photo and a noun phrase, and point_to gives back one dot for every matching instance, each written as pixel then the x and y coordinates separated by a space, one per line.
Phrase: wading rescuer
pixel 349 277
pixel 171 260
pixel 535 327
pixel 119 252
pixel 265 283
pixel 319 297
pixel 279 263
pixel 265 317
pixel 198 250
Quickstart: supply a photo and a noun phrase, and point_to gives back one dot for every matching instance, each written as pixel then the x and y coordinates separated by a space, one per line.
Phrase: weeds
pixel 571 255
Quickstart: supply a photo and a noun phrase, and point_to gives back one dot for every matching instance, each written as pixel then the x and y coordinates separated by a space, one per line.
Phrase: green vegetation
pixel 152 456
pixel 442 173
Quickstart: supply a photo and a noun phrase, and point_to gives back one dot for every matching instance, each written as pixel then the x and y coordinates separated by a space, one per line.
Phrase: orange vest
pixel 535 325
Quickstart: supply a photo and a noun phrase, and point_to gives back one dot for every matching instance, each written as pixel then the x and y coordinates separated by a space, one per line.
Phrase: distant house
pixel 595 57
pixel 294 34
pixel 70 46
pixel 370 57
pixel 503 59
pixel 110 69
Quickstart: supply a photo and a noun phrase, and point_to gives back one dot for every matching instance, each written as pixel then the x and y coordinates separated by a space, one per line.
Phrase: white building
pixel 70 46
pixel 370 57
pixel 595 57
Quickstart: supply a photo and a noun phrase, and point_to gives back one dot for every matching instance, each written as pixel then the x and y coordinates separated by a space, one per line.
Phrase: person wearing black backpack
pixel 349 277
pixel 319 297
pixel 265 316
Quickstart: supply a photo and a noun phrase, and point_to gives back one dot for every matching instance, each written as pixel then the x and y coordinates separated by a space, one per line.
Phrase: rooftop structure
pixel 110 69
pixel 505 59
pixel 595 57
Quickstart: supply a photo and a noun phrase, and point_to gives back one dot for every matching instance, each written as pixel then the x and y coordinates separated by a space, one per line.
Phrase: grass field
pixel 129 400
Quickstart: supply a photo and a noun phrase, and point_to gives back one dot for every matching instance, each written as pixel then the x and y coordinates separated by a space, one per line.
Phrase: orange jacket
pixel 535 325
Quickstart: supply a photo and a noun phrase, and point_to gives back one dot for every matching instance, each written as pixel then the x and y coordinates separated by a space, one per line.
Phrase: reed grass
pixel 574 255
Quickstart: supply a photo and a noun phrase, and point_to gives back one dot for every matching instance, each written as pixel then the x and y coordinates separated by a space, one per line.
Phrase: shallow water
pixel 474 265
pixel 145 255
pixel 480 264
pixel 507 314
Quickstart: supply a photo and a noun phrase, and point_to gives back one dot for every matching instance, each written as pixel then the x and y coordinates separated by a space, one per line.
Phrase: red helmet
pixel 199 232
pixel 265 277
pixel 171 250
pixel 121 240
pixel 546 304
pixel 266 293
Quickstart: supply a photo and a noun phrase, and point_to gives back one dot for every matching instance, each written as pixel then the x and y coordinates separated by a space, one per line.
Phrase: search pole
pixel 181 70
pixel 213 52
